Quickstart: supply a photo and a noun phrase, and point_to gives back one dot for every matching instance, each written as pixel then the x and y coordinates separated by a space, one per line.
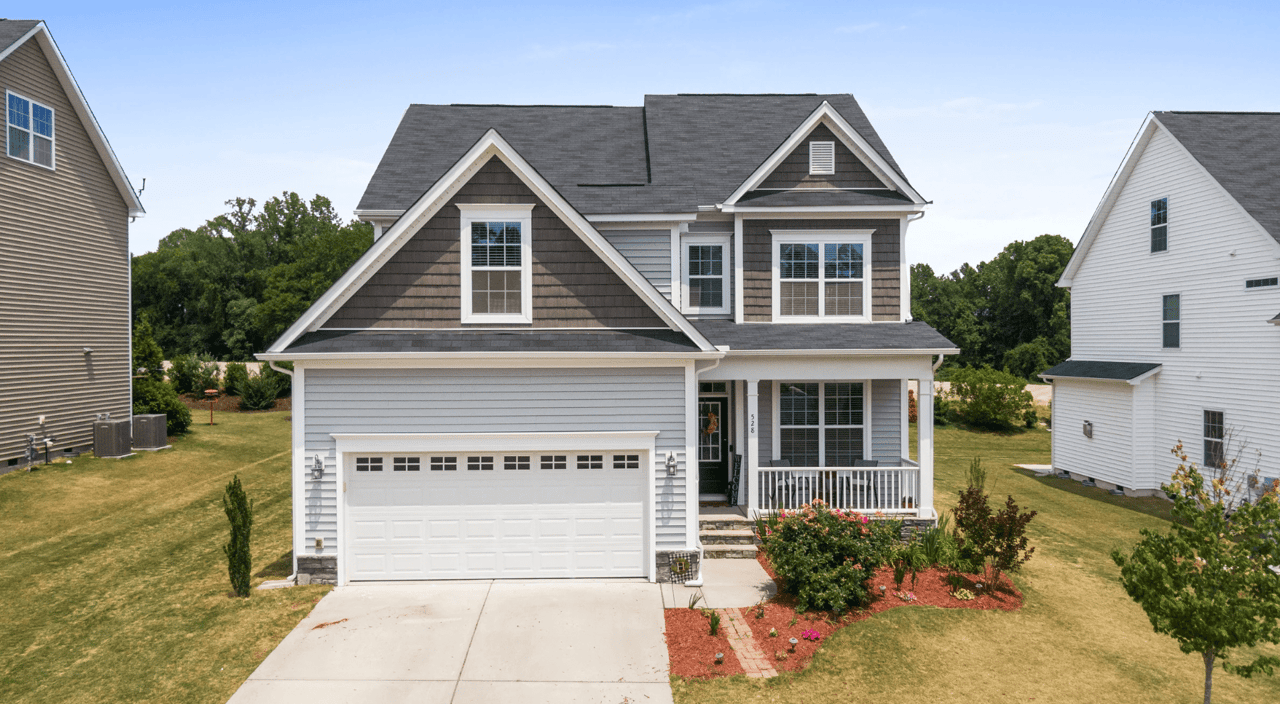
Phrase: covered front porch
pixel 777 432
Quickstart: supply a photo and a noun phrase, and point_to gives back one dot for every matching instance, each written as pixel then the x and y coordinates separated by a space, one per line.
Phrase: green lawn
pixel 1078 638
pixel 114 587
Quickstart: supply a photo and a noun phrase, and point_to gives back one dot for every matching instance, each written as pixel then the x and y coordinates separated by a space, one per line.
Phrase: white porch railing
pixel 889 490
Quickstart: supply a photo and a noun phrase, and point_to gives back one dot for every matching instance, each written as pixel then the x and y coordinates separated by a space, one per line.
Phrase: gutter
pixel 702 553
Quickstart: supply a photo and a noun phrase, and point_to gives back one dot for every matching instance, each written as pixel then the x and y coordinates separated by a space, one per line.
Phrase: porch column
pixel 752 455
pixel 924 425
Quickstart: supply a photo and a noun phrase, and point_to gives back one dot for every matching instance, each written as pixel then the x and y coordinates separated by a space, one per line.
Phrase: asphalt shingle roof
pixel 1241 150
pixel 820 336
pixel 672 155
pixel 13 30
pixel 1084 369
pixel 337 341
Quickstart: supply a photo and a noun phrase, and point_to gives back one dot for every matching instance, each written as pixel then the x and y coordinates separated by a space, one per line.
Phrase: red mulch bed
pixel 693 649
pixel 227 404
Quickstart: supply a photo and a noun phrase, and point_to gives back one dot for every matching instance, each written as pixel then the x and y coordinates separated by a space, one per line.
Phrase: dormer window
pixel 822 158
pixel 497 281
pixel 821 275
pixel 30 133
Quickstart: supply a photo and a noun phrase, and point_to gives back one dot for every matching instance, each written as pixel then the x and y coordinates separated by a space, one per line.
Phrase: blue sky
pixel 1011 117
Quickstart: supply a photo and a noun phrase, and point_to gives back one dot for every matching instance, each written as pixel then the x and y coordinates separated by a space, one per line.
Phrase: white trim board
pixel 490 145
pixel 84 112
pixel 861 148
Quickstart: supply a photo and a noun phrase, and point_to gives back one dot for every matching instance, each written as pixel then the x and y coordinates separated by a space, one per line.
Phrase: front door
pixel 713 446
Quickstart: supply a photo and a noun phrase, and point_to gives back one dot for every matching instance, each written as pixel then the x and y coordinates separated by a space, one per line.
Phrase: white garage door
pixel 477 515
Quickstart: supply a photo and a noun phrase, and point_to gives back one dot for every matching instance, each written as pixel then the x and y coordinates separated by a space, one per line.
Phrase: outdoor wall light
pixel 317 469
pixel 671 463
pixel 88 350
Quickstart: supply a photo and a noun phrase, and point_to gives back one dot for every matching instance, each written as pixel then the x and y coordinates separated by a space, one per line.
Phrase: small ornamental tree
pixel 992 541
pixel 239 510
pixel 1207 582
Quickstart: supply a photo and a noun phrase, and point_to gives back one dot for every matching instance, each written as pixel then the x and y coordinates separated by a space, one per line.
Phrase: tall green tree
pixel 231 286
pixel 1007 313
pixel 1207 582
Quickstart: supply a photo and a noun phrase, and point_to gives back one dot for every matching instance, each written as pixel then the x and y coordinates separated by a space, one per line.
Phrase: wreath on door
pixel 713 423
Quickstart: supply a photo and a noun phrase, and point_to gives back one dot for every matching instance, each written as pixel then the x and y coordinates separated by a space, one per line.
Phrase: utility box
pixel 111 438
pixel 150 431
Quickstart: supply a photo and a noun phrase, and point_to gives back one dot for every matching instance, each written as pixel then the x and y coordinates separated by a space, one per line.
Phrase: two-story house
pixel 578 323
pixel 65 206
pixel 1175 303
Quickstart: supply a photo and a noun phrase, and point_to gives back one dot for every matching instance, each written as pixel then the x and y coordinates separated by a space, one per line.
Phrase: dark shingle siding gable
pixel 1241 151
pixel 672 155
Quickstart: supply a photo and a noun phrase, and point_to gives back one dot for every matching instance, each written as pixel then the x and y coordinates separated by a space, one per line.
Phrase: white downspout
pixel 697 582
pixel 293 539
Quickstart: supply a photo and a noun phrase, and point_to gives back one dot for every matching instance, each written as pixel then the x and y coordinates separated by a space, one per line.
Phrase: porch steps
pixel 726 534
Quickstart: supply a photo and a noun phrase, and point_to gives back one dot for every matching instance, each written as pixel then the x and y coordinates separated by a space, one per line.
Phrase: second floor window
pixel 496 270
pixel 1214 435
pixel 30 135
pixel 1160 225
pixel 822 277
pixel 1172 315
pixel 706 274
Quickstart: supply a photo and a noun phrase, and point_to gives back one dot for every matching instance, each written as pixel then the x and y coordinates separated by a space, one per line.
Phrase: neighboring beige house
pixel 65 207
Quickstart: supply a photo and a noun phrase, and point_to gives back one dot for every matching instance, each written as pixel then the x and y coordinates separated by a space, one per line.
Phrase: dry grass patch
pixel 1078 637
pixel 116 587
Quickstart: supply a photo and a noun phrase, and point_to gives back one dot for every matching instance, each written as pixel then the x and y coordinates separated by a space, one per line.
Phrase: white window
pixel 706 274
pixel 1172 314
pixel 822 275
pixel 822 158
pixel 1214 435
pixel 1160 225
pixel 497 269
pixel 821 424
pixel 30 134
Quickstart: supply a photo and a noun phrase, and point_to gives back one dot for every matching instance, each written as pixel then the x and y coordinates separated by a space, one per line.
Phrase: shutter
pixel 822 157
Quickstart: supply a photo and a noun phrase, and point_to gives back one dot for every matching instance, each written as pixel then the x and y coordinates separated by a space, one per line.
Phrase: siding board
pixel 793 172
pixel 886 421
pixel 64 278
pixel 530 400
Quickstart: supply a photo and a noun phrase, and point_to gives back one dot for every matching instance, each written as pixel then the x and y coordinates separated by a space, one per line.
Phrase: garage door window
pixel 626 461
pixel 555 462
pixel 406 464
pixel 515 462
pixel 590 461
pixel 368 464
pixel 444 464
pixel 482 463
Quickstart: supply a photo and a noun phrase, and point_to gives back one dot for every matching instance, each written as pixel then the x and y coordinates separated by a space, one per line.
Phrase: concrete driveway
pixel 490 641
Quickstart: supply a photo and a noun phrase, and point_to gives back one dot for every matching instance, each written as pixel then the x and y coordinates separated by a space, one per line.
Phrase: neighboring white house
pixel 1175 296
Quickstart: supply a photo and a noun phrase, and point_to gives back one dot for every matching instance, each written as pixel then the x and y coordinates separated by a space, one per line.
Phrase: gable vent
pixel 822 157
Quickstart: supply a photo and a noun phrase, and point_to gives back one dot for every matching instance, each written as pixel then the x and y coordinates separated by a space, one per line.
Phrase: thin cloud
pixel 542 52
pixel 857 28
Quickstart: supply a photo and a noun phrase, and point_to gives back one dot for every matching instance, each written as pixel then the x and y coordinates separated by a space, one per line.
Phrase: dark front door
pixel 713 445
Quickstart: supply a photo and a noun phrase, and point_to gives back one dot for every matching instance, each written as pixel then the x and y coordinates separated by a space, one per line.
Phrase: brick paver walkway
pixel 744 644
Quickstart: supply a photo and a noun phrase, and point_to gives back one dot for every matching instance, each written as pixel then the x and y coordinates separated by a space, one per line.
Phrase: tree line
pixel 1007 313
pixel 227 289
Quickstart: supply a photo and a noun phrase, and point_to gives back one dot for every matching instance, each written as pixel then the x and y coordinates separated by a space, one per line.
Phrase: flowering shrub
pixel 905 596
pixel 811 635
pixel 824 556
pixel 963 594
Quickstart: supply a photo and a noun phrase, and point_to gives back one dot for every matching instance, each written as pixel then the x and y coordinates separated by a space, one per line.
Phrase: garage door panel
pixel 496 523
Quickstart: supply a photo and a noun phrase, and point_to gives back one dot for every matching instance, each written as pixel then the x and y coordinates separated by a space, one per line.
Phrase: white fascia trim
pixel 1144 376
pixel 1100 214
pixel 847 134
pixel 643 217
pixel 495 442
pixel 849 210
pixel 508 357
pixel 491 144
pixel 841 353
pixel 84 112
pixel 377 214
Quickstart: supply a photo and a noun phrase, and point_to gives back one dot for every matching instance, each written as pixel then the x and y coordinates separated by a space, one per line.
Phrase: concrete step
pixel 706 522
pixel 721 552
pixel 727 537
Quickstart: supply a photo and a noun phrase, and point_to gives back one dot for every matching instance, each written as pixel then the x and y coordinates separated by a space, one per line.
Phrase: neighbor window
pixel 822 158
pixel 1160 225
pixel 822 275
pixel 1172 315
pixel 1261 283
pixel 706 274
pixel 820 424
pixel 1214 435
pixel 30 133
pixel 496 267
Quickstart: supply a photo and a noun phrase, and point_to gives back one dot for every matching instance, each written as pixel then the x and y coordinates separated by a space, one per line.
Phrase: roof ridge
pixel 508 105
pixel 751 95
pixel 1216 112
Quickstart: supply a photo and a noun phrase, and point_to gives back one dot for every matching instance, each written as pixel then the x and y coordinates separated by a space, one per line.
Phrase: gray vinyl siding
pixel 495 401
pixel 886 420
pixel 64 278
pixel 793 172
pixel 649 251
